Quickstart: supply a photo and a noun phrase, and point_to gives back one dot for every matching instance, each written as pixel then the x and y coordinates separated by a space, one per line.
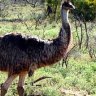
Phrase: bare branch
pixel 39 79
pixel 33 4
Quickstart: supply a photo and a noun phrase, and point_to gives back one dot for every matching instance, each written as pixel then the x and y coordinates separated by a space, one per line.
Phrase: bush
pixel 85 9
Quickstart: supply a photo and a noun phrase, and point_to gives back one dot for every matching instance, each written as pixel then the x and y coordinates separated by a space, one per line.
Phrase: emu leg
pixel 32 68
pixel 6 84
pixel 20 91
pixel 3 90
pixel 30 73
pixel 20 88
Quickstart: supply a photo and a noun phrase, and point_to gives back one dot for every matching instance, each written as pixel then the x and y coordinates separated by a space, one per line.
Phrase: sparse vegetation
pixel 81 71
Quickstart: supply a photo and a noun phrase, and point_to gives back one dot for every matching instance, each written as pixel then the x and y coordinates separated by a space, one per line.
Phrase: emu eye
pixel 65 4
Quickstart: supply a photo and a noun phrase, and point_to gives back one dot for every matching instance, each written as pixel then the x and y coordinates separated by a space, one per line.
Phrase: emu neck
pixel 64 16
pixel 65 32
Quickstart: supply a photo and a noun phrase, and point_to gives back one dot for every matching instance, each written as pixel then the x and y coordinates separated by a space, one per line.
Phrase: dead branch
pixel 39 79
pixel 33 4
pixel 65 59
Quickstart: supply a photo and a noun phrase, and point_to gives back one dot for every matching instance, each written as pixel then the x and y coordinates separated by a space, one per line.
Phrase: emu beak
pixel 73 7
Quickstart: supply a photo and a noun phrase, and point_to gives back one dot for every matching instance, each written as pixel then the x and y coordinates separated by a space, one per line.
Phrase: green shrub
pixel 49 91
pixel 86 9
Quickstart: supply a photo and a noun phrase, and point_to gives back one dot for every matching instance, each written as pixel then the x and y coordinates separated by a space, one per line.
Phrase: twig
pixel 65 59
pixel 31 3
pixel 39 79
pixel 24 23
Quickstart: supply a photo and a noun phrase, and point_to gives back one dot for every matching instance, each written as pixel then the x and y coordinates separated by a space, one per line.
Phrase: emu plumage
pixel 17 53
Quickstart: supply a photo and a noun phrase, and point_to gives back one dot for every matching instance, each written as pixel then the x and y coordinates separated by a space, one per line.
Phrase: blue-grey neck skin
pixel 64 16
pixel 65 26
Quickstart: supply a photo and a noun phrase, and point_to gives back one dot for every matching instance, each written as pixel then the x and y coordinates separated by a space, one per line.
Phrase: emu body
pixel 17 53
pixel 20 55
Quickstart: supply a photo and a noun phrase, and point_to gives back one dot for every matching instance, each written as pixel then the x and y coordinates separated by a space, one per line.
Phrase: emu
pixel 21 55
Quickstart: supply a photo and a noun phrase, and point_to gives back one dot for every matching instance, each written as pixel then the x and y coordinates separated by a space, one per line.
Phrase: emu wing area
pixel 15 53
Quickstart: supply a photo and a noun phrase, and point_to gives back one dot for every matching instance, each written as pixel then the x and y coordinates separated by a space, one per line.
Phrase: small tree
pixel 86 9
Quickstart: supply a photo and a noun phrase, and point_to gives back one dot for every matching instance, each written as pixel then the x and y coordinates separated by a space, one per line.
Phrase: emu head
pixel 67 5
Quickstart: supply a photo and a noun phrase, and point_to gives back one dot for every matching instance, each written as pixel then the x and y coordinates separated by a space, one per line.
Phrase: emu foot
pixel 20 91
pixel 3 90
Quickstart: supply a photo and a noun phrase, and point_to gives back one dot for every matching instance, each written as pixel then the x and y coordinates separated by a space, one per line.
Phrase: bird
pixel 21 55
